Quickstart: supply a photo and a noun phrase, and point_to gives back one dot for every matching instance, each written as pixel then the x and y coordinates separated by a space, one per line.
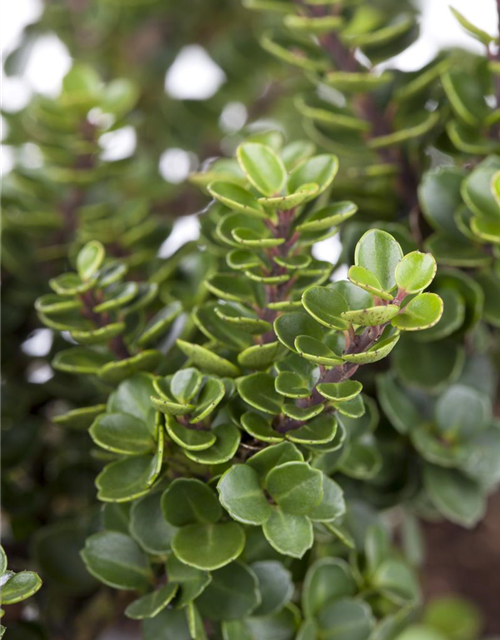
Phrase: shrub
pixel 268 427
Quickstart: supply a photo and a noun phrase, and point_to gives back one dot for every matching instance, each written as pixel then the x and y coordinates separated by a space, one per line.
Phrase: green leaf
pixel 241 494
pixel 115 559
pixel 439 196
pixel 316 351
pixel 379 252
pixel 328 217
pixel 185 384
pixel 260 427
pixel 236 198
pixel 397 581
pixel 122 433
pixel 368 281
pixel 420 632
pixel 327 580
pixel 191 581
pixel 187 501
pixel 156 327
pixel 233 593
pixel 211 395
pixel 291 385
pixel 3 561
pixel 422 312
pixel 263 168
pixel 189 438
pixel 227 440
pixel 289 534
pixel 428 366
pixel 207 360
pixel 477 33
pixel 462 412
pixel 297 151
pixel 115 372
pixel 397 406
pixel 259 392
pixel 477 190
pixel 332 503
pixel 320 170
pixel 90 259
pixel 264 461
pixel 169 624
pixel 304 193
pixel 195 623
pixel 148 526
pixel 209 546
pixel 373 316
pixel 20 586
pixel 415 272
pixel 456 618
pixel 326 306
pixel 454 495
pixel 117 295
pixel 378 351
pixel 275 586
pixel 133 397
pixel 465 93
pixel 296 487
pixel 150 605
pixel 318 431
pixel 346 619
pixel 340 391
pixel 290 325
pixel 80 360
pixel 260 356
pixel 128 478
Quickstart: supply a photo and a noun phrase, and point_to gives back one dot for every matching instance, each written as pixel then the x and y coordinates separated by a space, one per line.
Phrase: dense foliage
pixel 265 429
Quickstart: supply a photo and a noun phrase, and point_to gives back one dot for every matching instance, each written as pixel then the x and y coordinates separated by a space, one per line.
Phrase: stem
pixel 380 121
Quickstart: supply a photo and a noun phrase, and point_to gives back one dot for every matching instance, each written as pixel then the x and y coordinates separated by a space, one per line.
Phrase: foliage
pixel 262 430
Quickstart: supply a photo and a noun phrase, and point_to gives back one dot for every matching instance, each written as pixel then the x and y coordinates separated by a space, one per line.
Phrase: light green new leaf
pixel 378 252
pixel 90 259
pixel 415 272
pixel 422 312
pixel 368 281
pixel 19 586
pixel 263 168
pixel 236 198
pixel 373 316
pixel 320 170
